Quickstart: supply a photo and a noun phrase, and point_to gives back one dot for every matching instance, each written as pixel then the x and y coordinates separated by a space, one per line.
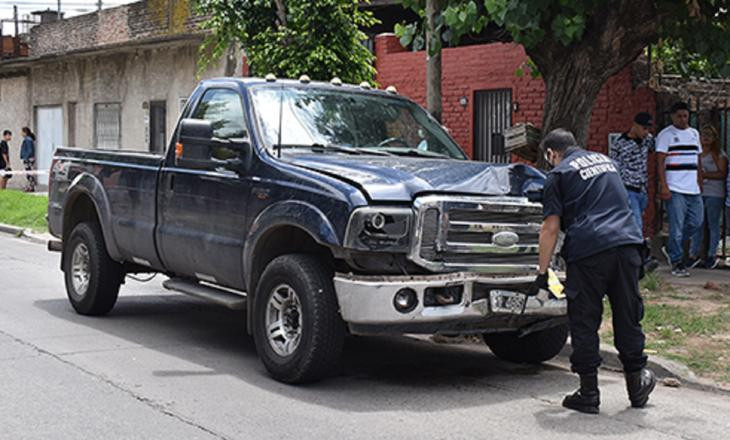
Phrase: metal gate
pixel 158 131
pixel 492 116
pixel 49 136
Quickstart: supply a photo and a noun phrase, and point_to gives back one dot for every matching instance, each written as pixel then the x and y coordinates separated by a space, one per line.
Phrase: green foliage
pixel 320 38
pixel 651 282
pixel 695 31
pixel 528 66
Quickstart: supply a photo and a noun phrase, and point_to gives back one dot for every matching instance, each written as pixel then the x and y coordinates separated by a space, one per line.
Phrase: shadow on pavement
pixel 377 373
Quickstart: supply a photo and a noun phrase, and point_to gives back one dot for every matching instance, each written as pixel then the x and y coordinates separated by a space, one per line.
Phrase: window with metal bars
pixel 108 125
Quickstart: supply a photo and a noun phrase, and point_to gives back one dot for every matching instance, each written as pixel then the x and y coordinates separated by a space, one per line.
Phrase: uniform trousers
pixel 613 273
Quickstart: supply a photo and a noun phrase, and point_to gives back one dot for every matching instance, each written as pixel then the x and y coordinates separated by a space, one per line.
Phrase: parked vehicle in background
pixel 320 208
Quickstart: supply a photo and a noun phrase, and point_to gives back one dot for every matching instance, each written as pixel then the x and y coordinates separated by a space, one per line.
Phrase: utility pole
pixel 433 59
pixel 16 40
pixel 59 10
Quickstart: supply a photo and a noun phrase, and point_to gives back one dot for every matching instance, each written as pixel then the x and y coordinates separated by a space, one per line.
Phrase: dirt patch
pixel 685 323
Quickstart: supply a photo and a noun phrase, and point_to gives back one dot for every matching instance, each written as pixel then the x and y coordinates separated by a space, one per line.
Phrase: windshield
pixel 344 120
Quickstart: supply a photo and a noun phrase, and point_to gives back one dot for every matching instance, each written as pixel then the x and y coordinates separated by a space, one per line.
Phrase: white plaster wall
pixel 131 78
pixel 14 114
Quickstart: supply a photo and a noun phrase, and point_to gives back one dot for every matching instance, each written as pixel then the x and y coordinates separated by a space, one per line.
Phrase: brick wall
pixel 466 70
pixel 133 22
pixel 8 47
pixel 493 66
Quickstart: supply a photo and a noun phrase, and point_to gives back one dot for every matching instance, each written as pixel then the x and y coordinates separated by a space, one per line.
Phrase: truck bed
pixel 126 182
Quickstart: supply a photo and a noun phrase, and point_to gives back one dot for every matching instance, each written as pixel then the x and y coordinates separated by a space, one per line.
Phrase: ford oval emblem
pixel 505 238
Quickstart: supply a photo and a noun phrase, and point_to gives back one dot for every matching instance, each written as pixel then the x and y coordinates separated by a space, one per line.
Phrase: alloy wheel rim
pixel 284 320
pixel 80 273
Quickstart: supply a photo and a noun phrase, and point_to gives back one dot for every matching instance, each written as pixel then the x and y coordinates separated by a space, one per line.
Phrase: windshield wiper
pixel 415 152
pixel 338 148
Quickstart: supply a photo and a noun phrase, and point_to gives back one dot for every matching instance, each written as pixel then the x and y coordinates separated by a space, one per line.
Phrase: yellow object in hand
pixel 554 285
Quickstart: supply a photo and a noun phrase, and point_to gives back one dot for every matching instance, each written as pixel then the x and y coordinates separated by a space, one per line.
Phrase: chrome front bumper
pixel 368 300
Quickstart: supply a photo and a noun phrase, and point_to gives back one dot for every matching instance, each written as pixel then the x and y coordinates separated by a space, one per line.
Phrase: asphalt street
pixel 165 366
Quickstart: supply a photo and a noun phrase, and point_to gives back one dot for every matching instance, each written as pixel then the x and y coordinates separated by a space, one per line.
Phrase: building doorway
pixel 158 127
pixel 49 136
pixel 492 116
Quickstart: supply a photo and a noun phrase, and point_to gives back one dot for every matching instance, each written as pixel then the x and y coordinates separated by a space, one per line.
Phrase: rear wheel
pixel 92 277
pixel 296 324
pixel 532 349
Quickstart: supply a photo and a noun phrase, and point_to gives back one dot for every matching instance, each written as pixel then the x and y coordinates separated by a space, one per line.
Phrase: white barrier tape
pixel 4 173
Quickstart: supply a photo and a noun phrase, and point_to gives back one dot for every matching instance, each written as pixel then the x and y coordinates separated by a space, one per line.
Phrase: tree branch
pixel 281 12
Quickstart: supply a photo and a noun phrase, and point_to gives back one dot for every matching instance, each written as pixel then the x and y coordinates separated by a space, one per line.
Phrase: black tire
pixel 322 330
pixel 105 274
pixel 531 349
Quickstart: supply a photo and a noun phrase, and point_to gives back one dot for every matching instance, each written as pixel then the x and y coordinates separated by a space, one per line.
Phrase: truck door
pixel 202 210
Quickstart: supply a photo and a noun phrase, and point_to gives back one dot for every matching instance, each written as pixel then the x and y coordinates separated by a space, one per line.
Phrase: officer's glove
pixel 541 282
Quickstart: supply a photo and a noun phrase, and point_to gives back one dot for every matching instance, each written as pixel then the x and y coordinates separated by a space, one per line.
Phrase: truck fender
pixel 287 213
pixel 88 184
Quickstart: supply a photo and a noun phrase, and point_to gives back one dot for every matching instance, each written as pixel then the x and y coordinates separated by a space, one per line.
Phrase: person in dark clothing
pixel 631 153
pixel 27 155
pixel 585 198
pixel 5 158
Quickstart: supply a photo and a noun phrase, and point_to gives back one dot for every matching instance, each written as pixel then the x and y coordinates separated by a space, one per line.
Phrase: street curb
pixel 664 368
pixel 25 234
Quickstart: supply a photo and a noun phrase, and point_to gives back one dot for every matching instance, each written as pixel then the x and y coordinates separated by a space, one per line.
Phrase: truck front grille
pixel 484 234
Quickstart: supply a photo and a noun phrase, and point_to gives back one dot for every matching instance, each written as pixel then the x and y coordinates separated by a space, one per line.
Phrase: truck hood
pixel 403 178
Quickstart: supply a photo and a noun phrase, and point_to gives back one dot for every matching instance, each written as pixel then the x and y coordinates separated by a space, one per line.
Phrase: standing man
pixel 5 158
pixel 27 155
pixel 680 179
pixel 631 153
pixel 584 196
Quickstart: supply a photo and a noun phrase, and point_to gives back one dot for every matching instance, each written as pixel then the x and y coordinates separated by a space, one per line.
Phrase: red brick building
pixel 471 70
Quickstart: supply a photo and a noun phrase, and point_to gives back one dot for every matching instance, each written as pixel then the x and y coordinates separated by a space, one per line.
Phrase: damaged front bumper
pixel 463 302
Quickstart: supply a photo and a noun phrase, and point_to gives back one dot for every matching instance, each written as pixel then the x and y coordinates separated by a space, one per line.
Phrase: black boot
pixel 640 384
pixel 587 398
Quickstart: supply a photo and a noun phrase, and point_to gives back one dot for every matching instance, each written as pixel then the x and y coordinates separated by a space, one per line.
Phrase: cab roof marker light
pixel 336 81
pixel 304 79
pixel 392 90
pixel 270 77
pixel 365 85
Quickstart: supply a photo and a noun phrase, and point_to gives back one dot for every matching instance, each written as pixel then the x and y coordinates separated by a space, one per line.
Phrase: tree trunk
pixel 571 91
pixel 433 60
pixel 614 36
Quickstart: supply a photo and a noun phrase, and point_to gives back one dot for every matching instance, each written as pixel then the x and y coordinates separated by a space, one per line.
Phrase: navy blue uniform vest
pixel 586 192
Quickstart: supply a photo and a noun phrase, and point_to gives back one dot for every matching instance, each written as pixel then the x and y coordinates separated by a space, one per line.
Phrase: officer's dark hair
pixel 7 133
pixel 677 106
pixel 558 140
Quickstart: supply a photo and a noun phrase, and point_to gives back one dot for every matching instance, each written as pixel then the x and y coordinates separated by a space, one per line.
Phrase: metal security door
pixel 158 131
pixel 49 136
pixel 492 116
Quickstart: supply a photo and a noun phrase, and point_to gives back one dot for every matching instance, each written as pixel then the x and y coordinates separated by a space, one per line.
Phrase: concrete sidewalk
pixel 698 278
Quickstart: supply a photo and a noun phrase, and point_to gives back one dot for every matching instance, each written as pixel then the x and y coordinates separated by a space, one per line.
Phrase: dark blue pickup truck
pixel 321 209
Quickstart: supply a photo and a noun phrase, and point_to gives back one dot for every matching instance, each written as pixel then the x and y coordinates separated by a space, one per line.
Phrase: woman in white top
pixel 714 173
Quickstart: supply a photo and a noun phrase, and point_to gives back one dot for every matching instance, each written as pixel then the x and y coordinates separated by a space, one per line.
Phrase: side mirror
pixel 197 148
pixel 195 138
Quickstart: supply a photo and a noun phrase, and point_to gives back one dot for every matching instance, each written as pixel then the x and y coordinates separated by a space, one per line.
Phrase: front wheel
pixel 296 324
pixel 92 277
pixel 532 349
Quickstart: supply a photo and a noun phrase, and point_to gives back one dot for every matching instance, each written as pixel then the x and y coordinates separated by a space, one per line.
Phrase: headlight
pixel 379 229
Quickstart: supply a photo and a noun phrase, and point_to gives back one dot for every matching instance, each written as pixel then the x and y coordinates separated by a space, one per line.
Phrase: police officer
pixel 584 196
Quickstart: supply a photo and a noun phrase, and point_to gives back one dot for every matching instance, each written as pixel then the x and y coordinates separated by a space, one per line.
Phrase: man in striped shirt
pixel 680 176
pixel 631 152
